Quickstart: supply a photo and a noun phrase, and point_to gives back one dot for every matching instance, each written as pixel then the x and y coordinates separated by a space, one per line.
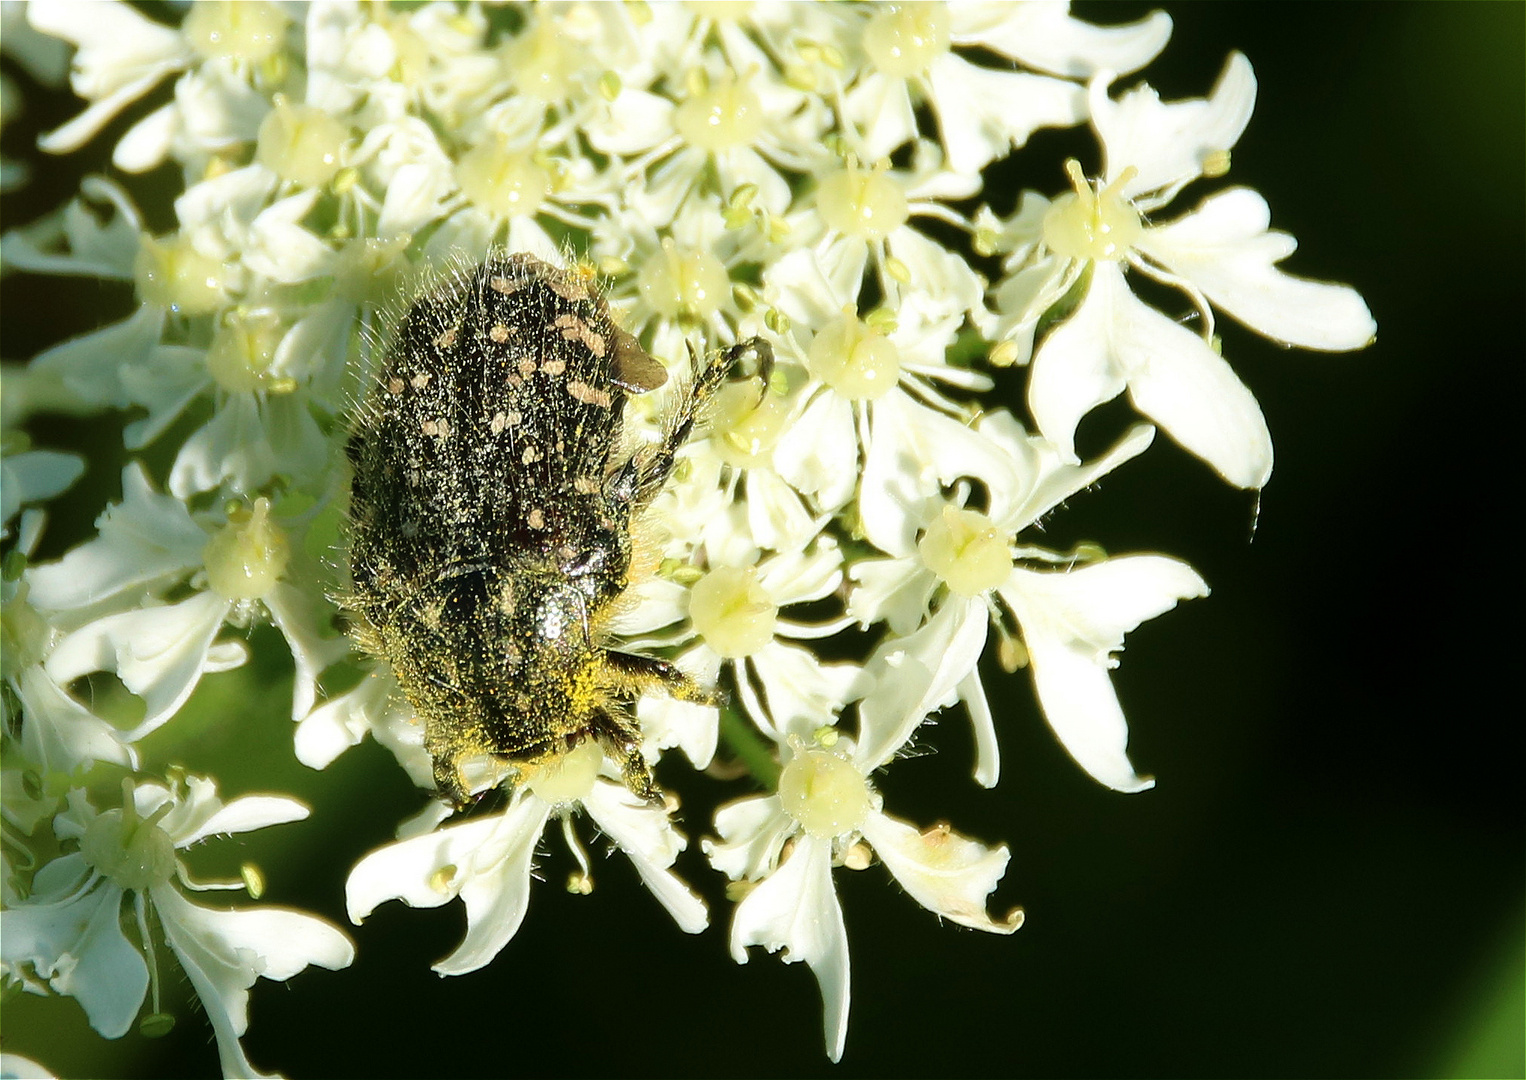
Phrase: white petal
pixel 666 722
pixel 1225 249
pixel 796 910
pixel 169 378
pixel 812 289
pixel 301 621
pixel 342 721
pixel 635 122
pixel 497 893
pixel 281 249
pixel 984 113
pixel 147 143
pixel 914 452
pixel 917 675
pixel 409 870
pixel 244 814
pixel 1167 142
pixel 656 602
pixel 1022 299
pixel 798 686
pixel 752 831
pixel 740 165
pixel 895 591
pixel 1043 35
pixel 819 456
pixel 941 278
pixel 1074 370
pixel 78 945
pixel 414 199
pixel 1051 479
pixel 115 43
pixel 159 653
pixel 223 952
pixel 794 577
pixel 882 108
pixel 944 872
pixel 60 733
pixel 776 514
pixel 16 1067
pixel 75 241
pixel 217 212
pixel 232 447
pixel 35 476
pixel 1191 391
pixel 1072 623
pixel 217 107
pixel 485 861
pixel 285 941
pixel 987 750
pixel 90 366
pixel 646 834
pixel 145 537
pixel 77 132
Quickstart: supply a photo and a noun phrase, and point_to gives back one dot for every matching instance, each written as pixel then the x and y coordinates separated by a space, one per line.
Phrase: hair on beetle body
pixel 492 509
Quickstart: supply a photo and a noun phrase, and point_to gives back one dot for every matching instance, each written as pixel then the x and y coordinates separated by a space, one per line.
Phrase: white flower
pixel 486 862
pixel 1221 255
pixel 984 112
pixel 739 120
pixel 789 842
pixel 147 542
pixel 731 615
pixel 869 209
pixel 1072 618
pixel 120 57
pixel 856 366
pixel 70 930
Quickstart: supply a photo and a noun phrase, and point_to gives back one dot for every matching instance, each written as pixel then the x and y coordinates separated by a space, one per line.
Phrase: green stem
pixel 750 748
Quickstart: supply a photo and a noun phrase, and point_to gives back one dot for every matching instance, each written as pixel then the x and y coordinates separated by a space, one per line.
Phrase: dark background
pixel 1328 880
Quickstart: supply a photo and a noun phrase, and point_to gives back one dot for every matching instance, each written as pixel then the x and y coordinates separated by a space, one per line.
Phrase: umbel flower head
pixel 845 532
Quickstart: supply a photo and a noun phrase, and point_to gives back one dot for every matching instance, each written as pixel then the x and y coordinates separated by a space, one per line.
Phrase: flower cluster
pixel 809 174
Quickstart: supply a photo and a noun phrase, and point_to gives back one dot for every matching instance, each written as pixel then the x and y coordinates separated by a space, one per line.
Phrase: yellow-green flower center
pixel 824 793
pixel 301 143
pixel 746 428
pixel 904 39
pixel 246 557
pixel 967 551
pixel 723 115
pixel 172 274
pixel 865 204
pixel 134 852
pixel 683 283
pixel 854 358
pixel 731 611
pixel 501 181
pixel 242 352
pixel 250 30
pixel 543 64
pixel 1097 225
